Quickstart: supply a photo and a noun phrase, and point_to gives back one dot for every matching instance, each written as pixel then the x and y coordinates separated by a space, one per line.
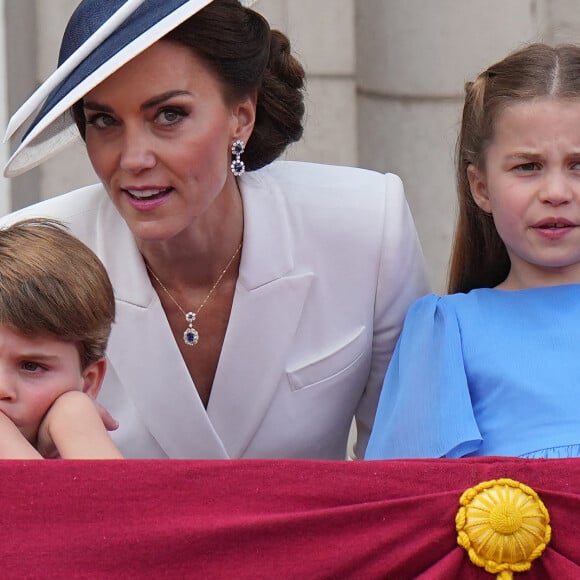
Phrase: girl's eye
pixel 531 166
pixel 170 116
pixel 32 367
pixel 101 121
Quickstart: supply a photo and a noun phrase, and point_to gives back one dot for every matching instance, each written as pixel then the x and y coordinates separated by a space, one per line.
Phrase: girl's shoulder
pixel 445 302
pixel 473 306
pixel 487 296
pixel 489 304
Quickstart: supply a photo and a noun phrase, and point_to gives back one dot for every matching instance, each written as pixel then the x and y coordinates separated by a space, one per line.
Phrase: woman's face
pixel 159 135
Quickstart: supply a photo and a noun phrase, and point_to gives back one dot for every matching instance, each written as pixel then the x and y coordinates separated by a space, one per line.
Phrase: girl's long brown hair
pixel 479 258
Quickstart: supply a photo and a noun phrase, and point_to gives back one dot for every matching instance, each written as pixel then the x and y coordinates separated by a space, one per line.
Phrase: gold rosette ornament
pixel 503 525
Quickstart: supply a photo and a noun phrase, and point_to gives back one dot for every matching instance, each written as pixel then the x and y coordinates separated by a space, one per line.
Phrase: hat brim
pixel 65 68
pixel 130 30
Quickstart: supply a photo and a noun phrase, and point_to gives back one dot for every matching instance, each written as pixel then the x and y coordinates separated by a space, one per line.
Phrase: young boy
pixel 56 311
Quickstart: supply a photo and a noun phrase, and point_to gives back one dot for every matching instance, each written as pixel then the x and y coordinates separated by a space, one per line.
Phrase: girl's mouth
pixel 554 223
pixel 554 228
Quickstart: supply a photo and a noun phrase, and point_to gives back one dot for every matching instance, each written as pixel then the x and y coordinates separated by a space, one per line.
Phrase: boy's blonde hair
pixel 51 284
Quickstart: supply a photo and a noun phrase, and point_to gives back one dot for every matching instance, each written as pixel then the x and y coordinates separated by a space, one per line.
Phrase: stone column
pixel 34 29
pixel 322 33
pixel 413 60
pixel 4 149
pixel 71 168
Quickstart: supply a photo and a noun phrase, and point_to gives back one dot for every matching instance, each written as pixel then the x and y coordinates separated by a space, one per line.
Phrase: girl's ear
pixel 478 187
pixel 93 377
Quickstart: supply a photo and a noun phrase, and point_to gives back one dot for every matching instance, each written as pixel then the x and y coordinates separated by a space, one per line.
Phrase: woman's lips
pixel 148 193
pixel 147 198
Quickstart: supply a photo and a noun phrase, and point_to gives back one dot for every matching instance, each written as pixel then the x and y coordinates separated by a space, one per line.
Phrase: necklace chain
pixel 191 335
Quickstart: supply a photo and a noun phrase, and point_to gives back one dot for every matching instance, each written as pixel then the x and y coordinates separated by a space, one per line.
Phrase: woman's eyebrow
pixel 163 97
pixel 153 102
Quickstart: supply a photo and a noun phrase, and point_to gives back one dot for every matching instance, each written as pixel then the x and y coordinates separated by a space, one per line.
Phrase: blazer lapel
pixel 142 346
pixel 265 314
pixel 269 297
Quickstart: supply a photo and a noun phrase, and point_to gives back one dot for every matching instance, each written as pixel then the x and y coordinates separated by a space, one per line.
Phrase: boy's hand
pixel 13 445
pixel 74 428
pixel 110 423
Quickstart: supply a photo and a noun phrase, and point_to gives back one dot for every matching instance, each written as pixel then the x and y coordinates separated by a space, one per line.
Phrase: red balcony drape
pixel 265 519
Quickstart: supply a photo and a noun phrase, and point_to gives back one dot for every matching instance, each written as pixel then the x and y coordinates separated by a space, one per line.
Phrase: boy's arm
pixel 74 426
pixel 13 445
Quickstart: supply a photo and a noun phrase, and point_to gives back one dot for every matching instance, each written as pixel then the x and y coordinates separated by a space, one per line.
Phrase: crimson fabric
pixel 264 518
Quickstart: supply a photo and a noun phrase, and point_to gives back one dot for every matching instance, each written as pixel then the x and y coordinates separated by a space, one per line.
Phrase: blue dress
pixel 490 372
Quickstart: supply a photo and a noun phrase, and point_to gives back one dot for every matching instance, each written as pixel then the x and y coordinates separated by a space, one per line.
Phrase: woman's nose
pixel 136 153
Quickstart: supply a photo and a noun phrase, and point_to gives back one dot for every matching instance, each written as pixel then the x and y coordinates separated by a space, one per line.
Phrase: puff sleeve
pixel 401 279
pixel 425 408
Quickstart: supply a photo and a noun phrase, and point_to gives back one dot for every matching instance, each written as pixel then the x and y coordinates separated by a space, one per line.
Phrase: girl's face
pixel 34 372
pixel 531 186
pixel 159 136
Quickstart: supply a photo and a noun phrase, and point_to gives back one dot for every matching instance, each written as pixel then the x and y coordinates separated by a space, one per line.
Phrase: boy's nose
pixel 7 392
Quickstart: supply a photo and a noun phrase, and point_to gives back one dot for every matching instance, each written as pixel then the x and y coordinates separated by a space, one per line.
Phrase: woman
pixel 258 303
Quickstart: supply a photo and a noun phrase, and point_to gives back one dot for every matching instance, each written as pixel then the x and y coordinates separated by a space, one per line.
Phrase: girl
pixel 493 368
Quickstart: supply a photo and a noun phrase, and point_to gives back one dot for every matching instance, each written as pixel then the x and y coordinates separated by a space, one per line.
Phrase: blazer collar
pixel 118 250
pixel 266 253
pixel 269 297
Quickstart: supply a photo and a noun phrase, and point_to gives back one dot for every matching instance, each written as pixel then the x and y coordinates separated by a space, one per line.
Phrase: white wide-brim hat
pixel 101 36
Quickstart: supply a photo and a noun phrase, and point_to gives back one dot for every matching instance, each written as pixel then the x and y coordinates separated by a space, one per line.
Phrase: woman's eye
pixel 170 116
pixel 101 121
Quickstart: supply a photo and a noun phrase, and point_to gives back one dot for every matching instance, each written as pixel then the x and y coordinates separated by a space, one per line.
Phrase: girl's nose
pixel 556 189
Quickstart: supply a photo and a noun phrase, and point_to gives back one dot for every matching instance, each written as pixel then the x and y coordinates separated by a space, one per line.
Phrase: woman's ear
pixel 244 116
pixel 93 376
pixel 478 187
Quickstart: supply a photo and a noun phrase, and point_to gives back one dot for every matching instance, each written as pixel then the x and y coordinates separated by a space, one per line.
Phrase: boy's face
pixel 34 372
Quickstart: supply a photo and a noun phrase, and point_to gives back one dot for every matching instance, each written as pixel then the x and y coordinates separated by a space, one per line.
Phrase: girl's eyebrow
pixel 522 153
pixel 153 102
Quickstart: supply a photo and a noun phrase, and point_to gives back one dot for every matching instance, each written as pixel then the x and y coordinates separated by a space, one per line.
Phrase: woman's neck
pixel 197 255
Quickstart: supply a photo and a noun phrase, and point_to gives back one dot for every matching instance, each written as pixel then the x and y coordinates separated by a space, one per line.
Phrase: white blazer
pixel 330 264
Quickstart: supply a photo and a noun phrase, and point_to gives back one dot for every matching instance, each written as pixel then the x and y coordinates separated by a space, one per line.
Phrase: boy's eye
pixel 31 366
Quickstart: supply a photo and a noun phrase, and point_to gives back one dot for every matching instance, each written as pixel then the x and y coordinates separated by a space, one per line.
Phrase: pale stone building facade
pixel 384 91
